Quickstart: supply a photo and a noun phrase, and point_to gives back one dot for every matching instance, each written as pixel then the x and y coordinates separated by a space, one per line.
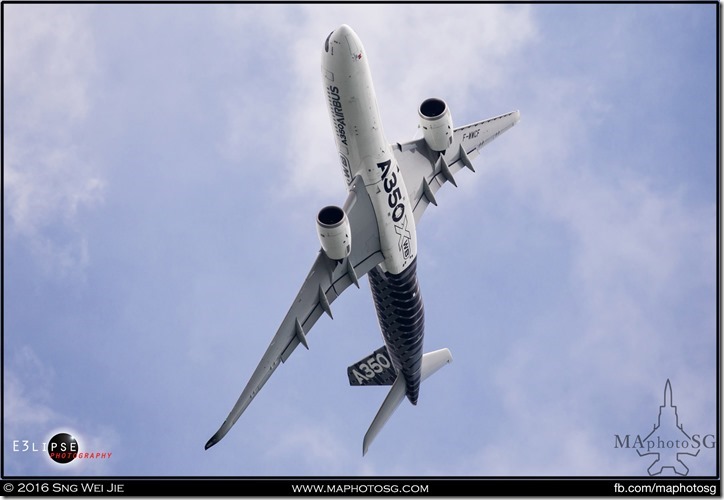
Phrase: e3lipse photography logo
pixel 63 448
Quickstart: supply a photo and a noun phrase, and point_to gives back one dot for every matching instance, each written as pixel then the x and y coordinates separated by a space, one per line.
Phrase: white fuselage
pixel 363 148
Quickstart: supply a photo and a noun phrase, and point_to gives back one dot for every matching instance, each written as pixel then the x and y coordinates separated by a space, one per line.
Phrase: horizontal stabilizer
pixel 389 405
pixel 375 369
pixel 431 362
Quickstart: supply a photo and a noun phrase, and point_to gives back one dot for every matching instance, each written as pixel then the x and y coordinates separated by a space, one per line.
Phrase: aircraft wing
pixel 325 282
pixel 425 171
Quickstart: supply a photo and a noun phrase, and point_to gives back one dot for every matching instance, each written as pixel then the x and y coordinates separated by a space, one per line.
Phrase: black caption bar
pixel 363 487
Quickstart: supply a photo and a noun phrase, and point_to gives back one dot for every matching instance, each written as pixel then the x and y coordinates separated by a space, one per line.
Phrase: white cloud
pixel 321 450
pixel 21 395
pixel 49 177
pixel 555 391
pixel 404 74
pixel 636 249
pixel 634 303
pixel 29 415
pixel 638 255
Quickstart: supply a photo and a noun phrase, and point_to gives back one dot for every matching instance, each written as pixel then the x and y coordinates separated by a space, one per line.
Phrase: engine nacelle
pixel 334 232
pixel 436 124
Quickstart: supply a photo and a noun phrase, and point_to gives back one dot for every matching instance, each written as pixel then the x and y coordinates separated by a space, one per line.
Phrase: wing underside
pixel 324 283
pixel 425 171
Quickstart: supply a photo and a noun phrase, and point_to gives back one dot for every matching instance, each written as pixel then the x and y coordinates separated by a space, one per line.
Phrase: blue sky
pixel 163 166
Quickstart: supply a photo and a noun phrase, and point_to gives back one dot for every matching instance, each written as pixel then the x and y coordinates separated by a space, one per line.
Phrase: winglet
pixel 217 437
pixel 211 442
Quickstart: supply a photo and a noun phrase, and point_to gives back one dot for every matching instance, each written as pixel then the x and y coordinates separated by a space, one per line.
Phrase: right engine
pixel 436 124
pixel 334 232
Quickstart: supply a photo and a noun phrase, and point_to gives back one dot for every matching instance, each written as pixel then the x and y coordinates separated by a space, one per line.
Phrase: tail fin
pixel 375 369
pixel 431 362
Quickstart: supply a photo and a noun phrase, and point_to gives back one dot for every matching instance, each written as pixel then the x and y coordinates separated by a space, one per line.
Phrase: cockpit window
pixel 326 42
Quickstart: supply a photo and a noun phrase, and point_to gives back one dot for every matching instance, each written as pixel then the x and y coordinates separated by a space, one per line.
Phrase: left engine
pixel 436 124
pixel 334 232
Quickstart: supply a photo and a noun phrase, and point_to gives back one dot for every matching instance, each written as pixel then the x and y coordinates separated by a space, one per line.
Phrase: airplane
pixel 389 187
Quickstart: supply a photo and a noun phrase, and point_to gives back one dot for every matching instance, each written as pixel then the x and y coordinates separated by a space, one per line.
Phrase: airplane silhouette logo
pixel 667 439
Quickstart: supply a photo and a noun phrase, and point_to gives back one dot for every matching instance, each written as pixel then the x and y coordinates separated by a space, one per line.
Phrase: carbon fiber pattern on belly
pixel 402 319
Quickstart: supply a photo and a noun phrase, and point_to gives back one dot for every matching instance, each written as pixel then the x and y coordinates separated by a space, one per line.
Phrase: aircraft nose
pixel 343 38
pixel 344 30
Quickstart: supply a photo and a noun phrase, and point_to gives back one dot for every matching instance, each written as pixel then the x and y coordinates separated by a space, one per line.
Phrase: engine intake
pixel 334 232
pixel 436 124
